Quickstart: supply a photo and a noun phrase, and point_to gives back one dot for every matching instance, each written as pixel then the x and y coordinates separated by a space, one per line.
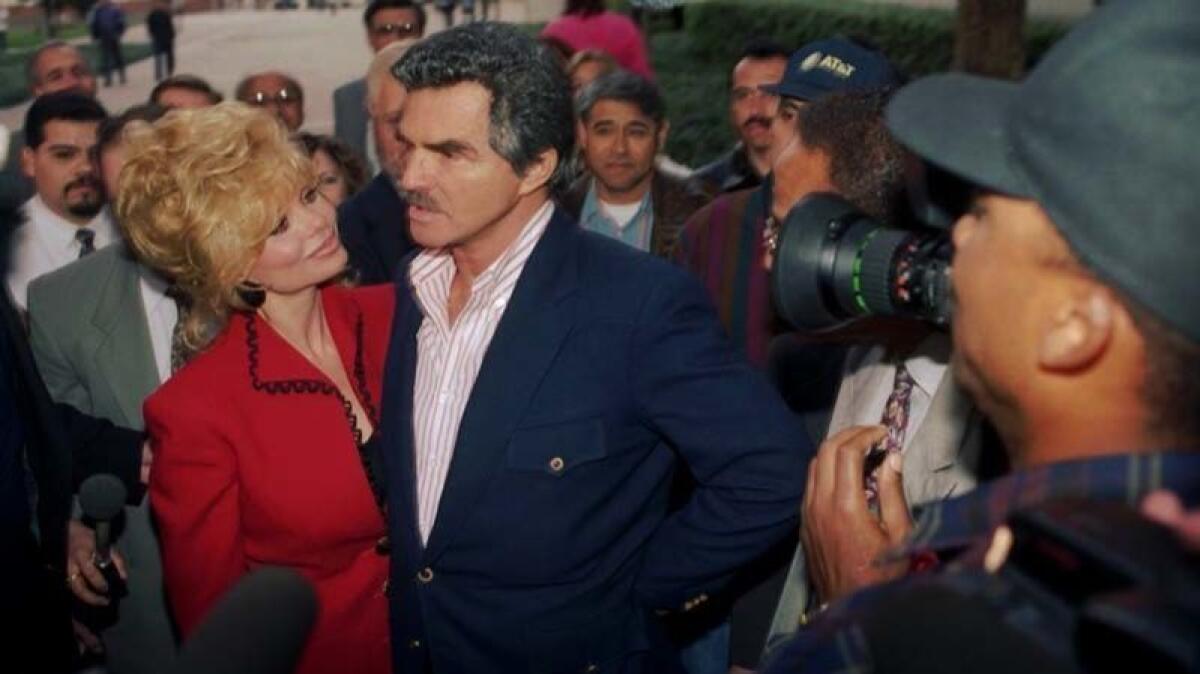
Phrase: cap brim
pixel 959 122
pixel 798 90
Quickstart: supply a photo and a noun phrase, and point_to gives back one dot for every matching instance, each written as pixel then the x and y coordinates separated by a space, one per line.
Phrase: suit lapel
pixel 525 344
pixel 124 354
pixel 397 427
pixel 937 452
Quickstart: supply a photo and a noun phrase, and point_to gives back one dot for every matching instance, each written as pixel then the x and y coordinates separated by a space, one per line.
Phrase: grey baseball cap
pixel 1104 134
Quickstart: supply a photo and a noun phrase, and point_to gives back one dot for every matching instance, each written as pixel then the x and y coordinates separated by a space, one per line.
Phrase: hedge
pixel 693 66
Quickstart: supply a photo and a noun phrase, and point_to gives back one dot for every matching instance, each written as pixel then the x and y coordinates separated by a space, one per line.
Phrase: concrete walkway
pixel 321 50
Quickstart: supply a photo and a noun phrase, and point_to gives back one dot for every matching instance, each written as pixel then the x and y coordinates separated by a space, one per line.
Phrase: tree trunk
pixel 989 38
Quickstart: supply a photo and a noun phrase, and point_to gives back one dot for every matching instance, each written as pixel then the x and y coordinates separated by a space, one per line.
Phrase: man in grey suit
pixel 901 380
pixel 101 332
pixel 386 21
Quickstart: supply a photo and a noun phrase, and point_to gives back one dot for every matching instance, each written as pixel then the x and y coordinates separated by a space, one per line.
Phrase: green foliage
pixel 693 68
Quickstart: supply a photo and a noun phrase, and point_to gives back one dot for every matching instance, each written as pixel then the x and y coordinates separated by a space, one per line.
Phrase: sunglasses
pixel 283 97
pixel 397 29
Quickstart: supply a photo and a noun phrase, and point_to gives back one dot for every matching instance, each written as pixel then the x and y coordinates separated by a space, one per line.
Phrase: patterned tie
pixel 179 350
pixel 87 241
pixel 895 419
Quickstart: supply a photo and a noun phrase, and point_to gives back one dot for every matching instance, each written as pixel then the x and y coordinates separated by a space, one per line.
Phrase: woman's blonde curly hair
pixel 200 192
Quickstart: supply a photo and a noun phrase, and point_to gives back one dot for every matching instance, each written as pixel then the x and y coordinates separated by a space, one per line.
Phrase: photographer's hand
pixel 843 540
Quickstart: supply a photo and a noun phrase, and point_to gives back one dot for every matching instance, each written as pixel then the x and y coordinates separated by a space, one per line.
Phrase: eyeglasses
pixel 284 97
pixel 397 29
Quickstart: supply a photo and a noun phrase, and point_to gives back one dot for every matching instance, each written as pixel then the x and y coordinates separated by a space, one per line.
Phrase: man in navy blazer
pixel 543 386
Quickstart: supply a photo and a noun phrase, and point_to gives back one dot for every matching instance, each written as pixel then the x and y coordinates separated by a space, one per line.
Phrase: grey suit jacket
pixel 350 117
pixel 941 460
pixel 90 338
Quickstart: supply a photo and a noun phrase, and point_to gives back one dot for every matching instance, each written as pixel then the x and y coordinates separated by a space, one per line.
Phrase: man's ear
pixel 28 162
pixel 1079 333
pixel 539 172
pixel 663 130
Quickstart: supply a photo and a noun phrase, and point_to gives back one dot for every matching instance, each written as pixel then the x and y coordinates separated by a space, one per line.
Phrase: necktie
pixel 86 239
pixel 895 419
pixel 179 349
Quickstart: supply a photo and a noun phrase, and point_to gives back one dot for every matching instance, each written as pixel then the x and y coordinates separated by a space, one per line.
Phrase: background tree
pixel 989 38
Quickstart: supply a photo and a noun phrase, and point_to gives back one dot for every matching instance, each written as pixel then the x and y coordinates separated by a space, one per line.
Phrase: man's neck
pixel 473 257
pixel 760 159
pixel 67 216
pixel 632 195
pixel 1088 431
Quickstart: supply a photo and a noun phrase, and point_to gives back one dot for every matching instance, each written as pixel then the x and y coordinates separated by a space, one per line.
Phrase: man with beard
pixel 623 126
pixel 55 66
pixel 751 113
pixel 64 219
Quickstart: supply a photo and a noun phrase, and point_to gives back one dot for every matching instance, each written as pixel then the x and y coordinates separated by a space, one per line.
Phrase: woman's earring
pixel 252 294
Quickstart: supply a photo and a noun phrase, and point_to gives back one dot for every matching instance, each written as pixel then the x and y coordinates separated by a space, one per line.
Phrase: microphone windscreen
pixel 259 627
pixel 101 496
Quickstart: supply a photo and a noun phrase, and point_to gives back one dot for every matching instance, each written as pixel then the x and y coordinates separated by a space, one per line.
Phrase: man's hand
pixel 1165 508
pixel 842 538
pixel 147 460
pixel 83 578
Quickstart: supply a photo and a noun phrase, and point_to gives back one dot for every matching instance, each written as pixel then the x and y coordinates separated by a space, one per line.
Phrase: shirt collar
pixel 593 208
pixel 59 232
pixel 928 363
pixel 431 264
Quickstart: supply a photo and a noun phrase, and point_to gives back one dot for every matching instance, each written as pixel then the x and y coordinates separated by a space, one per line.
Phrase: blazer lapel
pixel 396 424
pixel 525 344
pixel 942 451
pixel 124 354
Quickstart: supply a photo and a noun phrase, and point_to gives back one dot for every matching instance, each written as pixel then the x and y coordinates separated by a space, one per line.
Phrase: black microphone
pixel 259 626
pixel 102 496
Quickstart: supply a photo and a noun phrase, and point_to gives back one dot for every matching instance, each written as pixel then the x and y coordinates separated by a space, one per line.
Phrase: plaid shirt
pixel 836 642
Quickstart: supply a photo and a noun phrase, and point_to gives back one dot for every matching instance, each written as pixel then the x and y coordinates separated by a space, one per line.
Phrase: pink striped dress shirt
pixel 449 354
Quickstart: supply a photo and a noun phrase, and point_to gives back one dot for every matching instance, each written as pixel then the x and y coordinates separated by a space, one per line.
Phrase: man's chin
pixel 85 210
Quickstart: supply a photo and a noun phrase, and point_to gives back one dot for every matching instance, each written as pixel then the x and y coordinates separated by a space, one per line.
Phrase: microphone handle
pixel 103 561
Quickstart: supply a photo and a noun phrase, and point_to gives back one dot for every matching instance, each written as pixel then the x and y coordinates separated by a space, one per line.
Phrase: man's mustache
pixel 420 200
pixel 91 181
pixel 757 119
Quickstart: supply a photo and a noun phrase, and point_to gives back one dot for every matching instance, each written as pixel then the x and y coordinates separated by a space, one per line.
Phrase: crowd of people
pixel 508 386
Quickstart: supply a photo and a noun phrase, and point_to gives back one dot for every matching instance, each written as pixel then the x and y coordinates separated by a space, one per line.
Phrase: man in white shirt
pixel 65 219
pixel 623 194
pixel 101 333
pixel 54 66
pixel 901 380
pixel 544 384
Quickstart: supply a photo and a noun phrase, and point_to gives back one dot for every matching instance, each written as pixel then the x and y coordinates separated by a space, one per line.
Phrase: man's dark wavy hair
pixel 531 108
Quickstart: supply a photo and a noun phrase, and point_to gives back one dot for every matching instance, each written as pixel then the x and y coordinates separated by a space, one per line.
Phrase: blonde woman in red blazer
pixel 263 442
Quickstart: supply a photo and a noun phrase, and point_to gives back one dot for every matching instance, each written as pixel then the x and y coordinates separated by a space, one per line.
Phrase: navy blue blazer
pixel 553 545
pixel 373 226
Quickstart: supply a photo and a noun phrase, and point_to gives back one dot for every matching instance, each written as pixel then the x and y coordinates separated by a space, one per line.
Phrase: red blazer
pixel 246 475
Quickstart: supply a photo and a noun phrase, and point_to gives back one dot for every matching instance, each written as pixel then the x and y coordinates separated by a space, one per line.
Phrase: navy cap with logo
pixel 1104 134
pixel 834 64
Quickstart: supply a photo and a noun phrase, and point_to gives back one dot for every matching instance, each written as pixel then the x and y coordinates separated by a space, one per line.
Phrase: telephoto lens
pixel 834 264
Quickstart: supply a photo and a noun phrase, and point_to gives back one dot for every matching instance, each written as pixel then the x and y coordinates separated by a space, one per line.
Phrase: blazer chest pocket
pixel 556 449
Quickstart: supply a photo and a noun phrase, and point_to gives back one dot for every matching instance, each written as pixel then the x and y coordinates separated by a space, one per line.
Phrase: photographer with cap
pixel 1077 326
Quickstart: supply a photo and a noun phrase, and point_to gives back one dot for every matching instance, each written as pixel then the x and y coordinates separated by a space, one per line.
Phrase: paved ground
pixel 321 50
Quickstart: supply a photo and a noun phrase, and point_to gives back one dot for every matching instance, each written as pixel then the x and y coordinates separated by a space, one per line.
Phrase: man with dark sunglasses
pixel 386 22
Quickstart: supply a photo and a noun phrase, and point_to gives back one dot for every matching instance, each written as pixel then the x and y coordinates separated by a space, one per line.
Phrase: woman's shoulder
pixel 205 375
pixel 375 302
